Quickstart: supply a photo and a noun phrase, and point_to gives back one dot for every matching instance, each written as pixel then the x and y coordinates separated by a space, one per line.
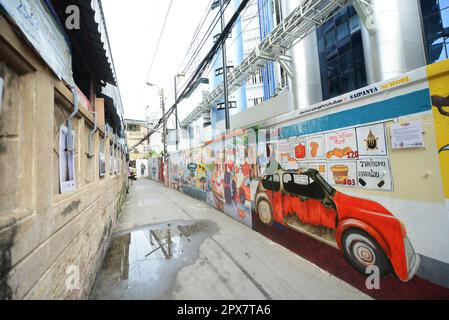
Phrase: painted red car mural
pixel 366 232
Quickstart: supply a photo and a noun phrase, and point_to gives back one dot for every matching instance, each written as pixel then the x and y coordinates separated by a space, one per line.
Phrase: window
pixel 255 79
pixel 276 183
pixel 133 128
pixel 435 14
pixel 301 185
pixel 342 61
pixel 254 102
pixel 232 105
pixel 219 71
pixel 267 182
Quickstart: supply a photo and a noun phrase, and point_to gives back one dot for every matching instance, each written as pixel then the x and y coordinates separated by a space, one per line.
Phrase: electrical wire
pixel 197 31
pixel 160 38
pixel 203 41
pixel 243 30
pixel 201 68
pixel 201 44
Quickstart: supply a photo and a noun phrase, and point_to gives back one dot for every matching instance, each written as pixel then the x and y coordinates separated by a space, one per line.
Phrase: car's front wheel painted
pixel 265 212
pixel 362 252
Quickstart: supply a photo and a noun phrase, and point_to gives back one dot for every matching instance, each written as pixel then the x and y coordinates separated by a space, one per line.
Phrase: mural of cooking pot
pixel 366 232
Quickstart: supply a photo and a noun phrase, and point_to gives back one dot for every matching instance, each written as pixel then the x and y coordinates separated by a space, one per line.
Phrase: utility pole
pixel 225 69
pixel 147 116
pixel 176 110
pixel 164 129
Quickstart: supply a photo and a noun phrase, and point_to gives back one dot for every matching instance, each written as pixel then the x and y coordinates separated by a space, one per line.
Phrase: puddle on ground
pixel 143 264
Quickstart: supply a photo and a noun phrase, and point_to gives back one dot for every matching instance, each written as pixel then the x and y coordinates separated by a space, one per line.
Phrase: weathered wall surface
pixel 51 245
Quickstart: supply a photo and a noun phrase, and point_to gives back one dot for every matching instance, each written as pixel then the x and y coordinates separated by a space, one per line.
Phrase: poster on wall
pixel 371 140
pixel 341 145
pixel 66 161
pixel 343 174
pixel 407 135
pixel 111 160
pixel 102 164
pixel 315 147
pixel 102 161
pixel 374 174
pixel 1 93
pixel 298 148
pixel 284 150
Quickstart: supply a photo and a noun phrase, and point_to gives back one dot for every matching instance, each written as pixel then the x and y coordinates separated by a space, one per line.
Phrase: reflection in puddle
pixel 143 264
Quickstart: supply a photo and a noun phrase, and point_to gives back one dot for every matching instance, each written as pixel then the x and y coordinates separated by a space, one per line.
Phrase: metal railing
pixel 306 18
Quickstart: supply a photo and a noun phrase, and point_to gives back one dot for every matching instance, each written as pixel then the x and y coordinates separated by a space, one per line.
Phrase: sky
pixel 134 27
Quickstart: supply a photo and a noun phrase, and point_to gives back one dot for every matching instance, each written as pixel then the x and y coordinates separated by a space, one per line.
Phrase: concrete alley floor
pixel 170 246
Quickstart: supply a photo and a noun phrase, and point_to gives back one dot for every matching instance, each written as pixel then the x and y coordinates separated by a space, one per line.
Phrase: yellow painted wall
pixel 438 75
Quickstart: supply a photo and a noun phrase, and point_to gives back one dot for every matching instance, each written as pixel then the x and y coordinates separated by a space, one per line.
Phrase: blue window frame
pixel 342 60
pixel 435 14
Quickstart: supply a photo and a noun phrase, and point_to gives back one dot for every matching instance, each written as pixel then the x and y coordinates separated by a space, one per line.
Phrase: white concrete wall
pixel 306 84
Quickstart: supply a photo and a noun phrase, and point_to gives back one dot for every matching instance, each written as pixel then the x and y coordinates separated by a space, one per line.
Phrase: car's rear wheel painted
pixel 362 251
pixel 265 212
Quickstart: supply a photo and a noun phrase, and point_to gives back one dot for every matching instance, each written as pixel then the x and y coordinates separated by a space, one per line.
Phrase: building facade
pixel 135 131
pixel 60 193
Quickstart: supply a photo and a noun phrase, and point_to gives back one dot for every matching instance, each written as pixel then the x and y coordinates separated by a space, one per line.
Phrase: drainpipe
pixel 70 140
pixel 91 134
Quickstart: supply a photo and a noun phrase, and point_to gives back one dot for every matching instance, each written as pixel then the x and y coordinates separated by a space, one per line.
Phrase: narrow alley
pixel 224 150
pixel 219 259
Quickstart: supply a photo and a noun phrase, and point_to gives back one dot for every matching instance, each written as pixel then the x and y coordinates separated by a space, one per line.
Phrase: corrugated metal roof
pixel 92 39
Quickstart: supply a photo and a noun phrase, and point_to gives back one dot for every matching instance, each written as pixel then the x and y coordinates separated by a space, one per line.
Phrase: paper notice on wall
pixel 1 93
pixel 407 135
pixel 375 174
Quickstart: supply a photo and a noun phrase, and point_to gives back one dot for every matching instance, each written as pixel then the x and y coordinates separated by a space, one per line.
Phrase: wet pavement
pixel 143 264
pixel 170 246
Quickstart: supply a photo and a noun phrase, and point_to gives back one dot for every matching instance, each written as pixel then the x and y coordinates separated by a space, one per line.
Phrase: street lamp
pixel 176 109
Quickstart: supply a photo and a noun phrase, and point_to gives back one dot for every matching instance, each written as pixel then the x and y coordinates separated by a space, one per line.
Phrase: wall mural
pixel 438 75
pixel 335 177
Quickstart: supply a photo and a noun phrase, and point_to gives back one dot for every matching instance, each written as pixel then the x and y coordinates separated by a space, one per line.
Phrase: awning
pixel 90 45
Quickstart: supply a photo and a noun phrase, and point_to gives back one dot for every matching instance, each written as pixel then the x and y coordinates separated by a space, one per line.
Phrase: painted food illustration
pixel 314 149
pixel 339 153
pixel 300 151
pixel 341 174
